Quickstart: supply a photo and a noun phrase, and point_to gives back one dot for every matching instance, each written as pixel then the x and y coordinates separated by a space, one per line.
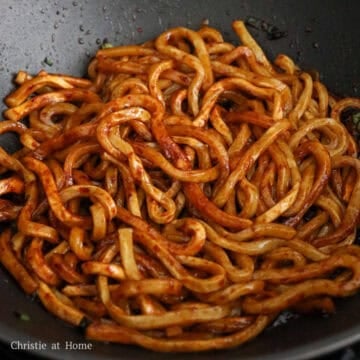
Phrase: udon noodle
pixel 183 195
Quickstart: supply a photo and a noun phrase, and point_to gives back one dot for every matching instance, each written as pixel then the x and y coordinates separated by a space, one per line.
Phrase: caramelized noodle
pixel 184 196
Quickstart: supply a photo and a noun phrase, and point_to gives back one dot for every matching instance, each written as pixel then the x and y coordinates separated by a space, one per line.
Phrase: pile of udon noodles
pixel 184 196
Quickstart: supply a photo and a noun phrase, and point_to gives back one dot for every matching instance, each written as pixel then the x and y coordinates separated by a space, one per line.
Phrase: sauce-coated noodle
pixel 184 196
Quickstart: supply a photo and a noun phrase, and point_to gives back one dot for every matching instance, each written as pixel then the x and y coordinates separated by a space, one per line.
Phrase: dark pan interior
pixel 61 36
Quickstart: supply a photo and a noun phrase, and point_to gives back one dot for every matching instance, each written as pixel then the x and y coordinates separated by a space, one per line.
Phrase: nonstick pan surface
pixel 61 36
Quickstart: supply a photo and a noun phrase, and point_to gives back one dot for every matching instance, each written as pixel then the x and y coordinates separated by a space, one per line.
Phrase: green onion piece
pixel 48 61
pixel 107 46
pixel 22 316
pixel 356 118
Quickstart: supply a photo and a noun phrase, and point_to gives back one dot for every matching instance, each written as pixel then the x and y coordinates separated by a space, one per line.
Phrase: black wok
pixel 60 36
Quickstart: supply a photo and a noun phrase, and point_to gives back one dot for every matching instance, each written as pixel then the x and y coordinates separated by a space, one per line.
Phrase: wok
pixel 61 36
